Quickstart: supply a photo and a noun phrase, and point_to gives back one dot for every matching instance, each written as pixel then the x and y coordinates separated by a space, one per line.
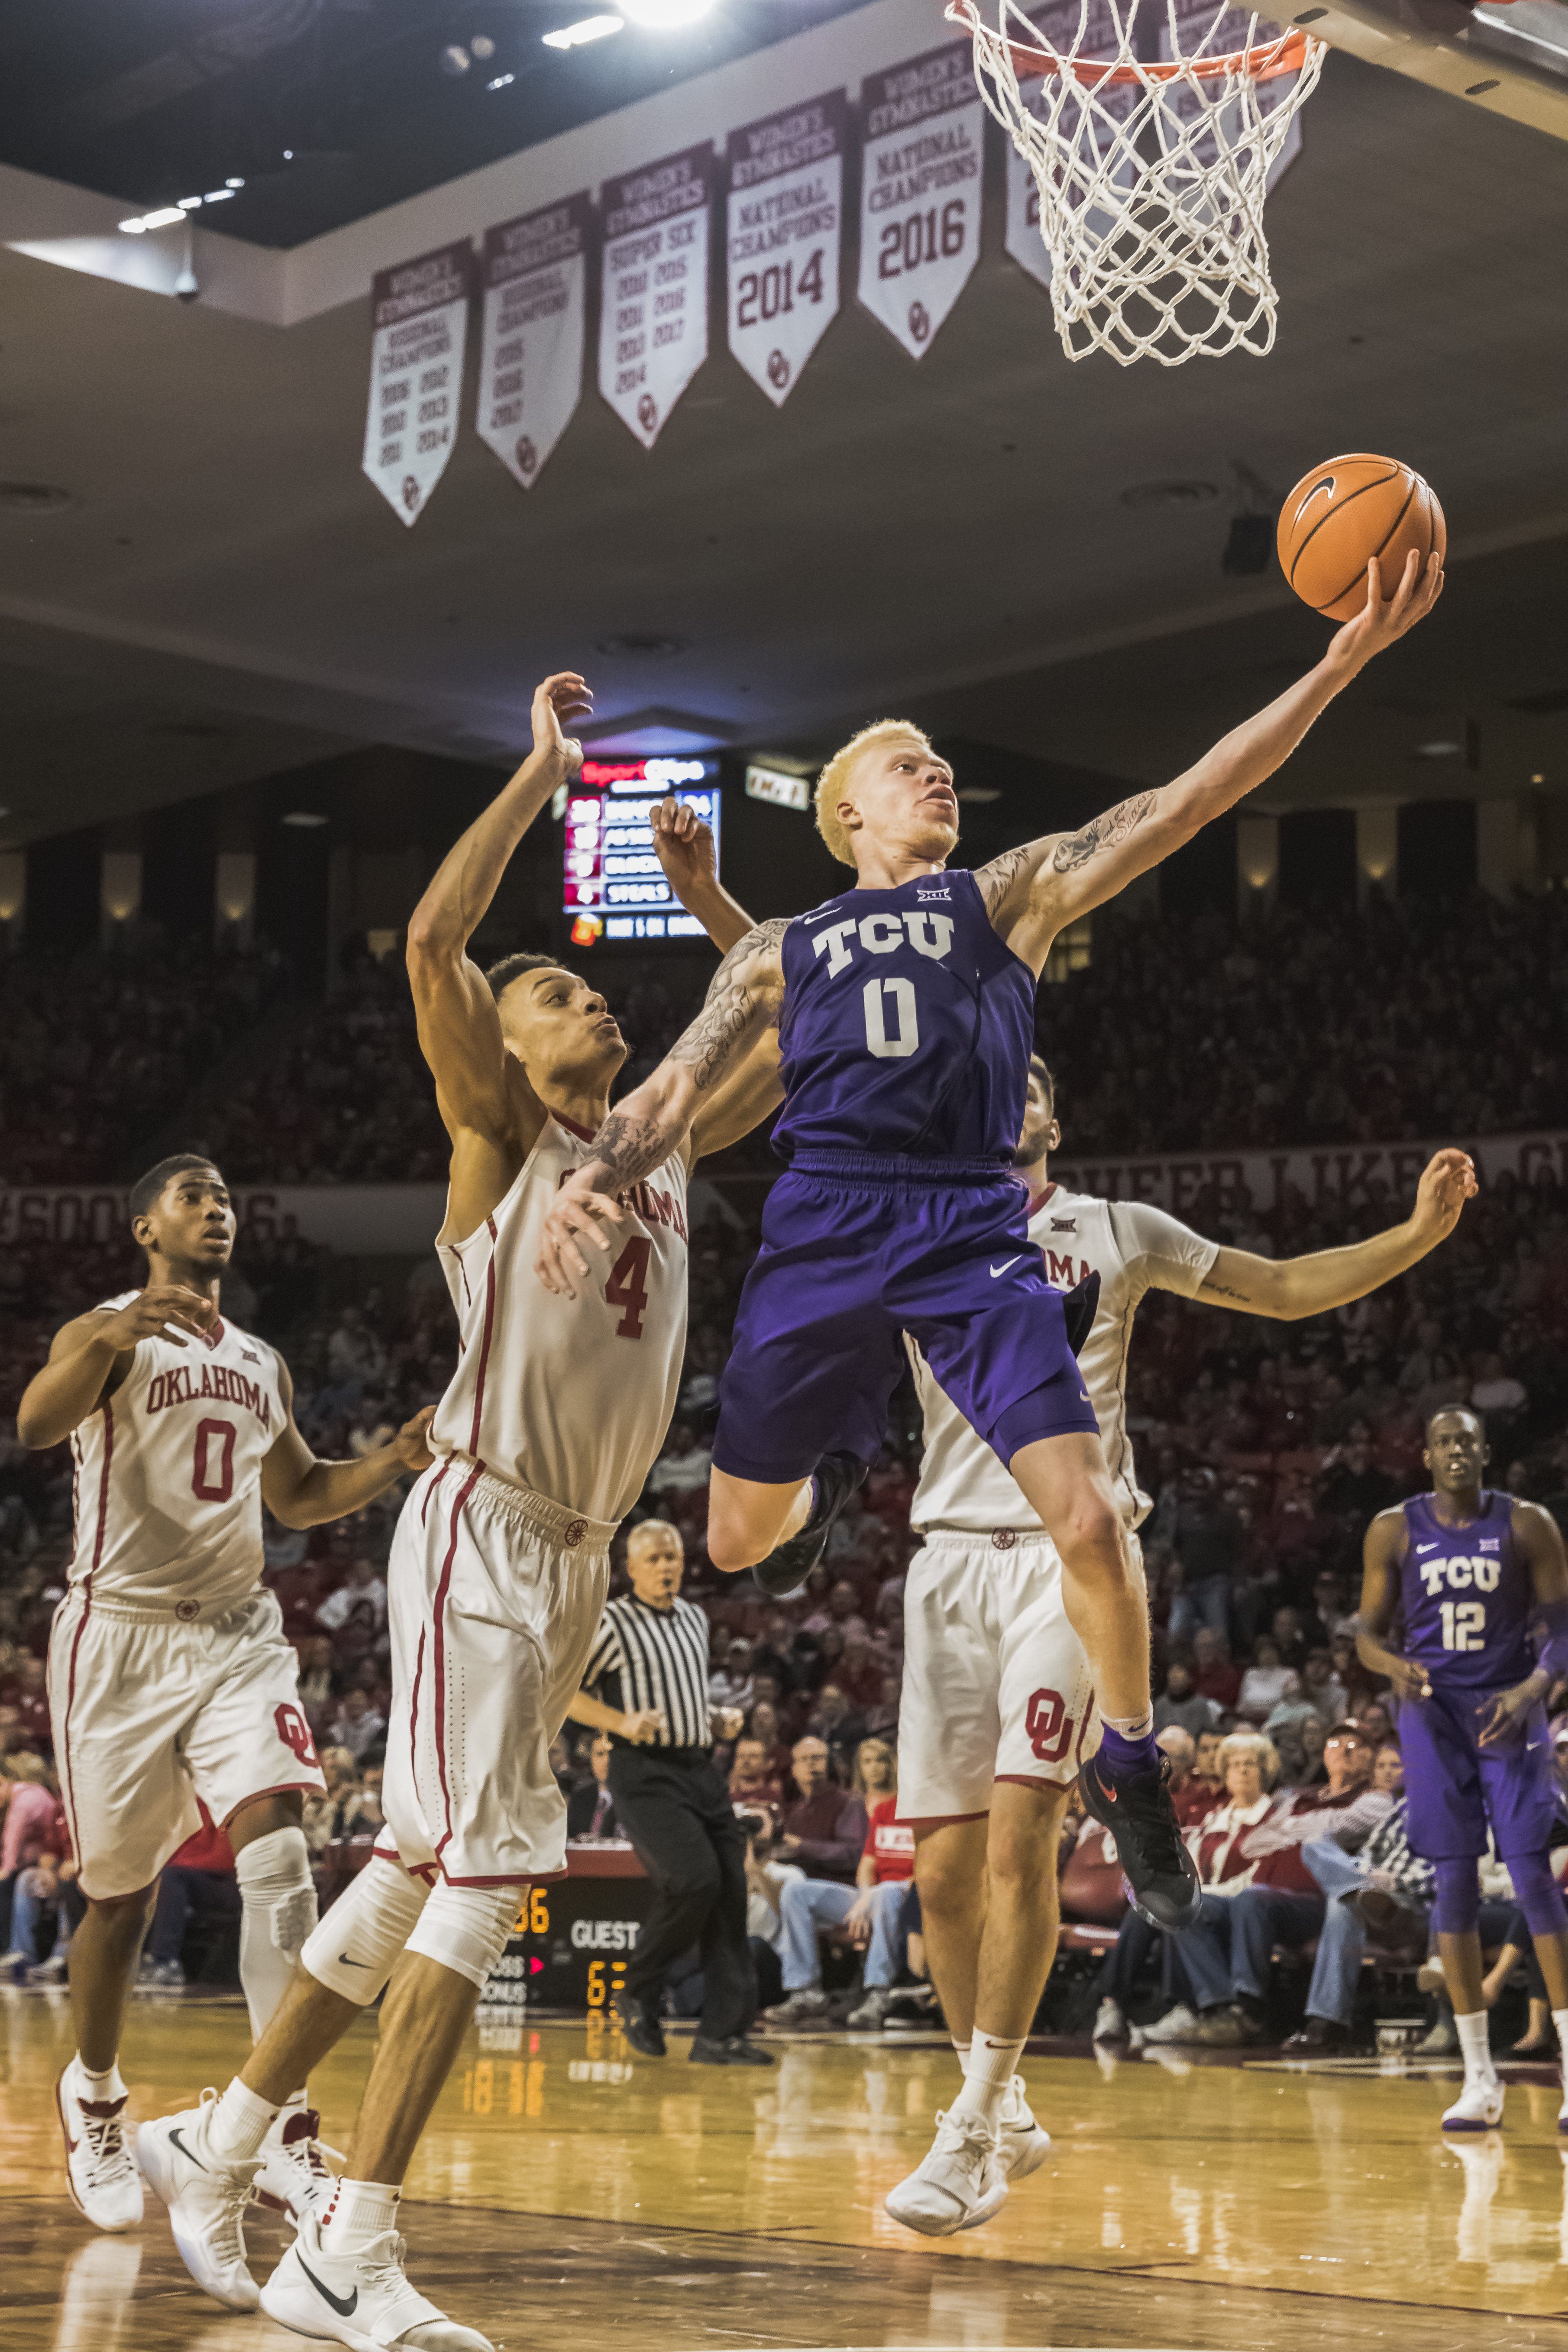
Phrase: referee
pixel 645 1684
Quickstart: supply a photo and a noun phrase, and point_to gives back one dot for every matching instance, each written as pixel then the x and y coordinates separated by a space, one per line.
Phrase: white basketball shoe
pixel 206 2195
pixel 362 2298
pixel 104 2182
pixel 1478 2108
pixel 1026 2144
pixel 295 2176
pixel 959 2184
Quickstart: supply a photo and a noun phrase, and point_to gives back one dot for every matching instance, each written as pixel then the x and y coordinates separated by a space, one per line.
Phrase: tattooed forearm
pixel 739 998
pixel 1107 832
pixel 627 1149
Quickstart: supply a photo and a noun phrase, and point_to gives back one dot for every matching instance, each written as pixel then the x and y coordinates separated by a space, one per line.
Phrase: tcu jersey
pixel 570 1399
pixel 1466 1596
pixel 1134 1248
pixel 167 1487
pixel 907 1027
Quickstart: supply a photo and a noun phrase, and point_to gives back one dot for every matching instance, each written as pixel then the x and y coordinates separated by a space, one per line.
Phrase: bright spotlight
pixel 662 15
pixel 590 28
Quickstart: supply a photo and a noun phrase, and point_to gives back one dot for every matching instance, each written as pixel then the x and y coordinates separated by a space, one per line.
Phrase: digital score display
pixel 613 887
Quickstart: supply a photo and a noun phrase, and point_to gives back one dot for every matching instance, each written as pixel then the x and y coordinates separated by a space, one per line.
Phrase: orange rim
pixel 1287 55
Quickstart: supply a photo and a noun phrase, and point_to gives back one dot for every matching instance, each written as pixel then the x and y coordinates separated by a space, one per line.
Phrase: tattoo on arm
pixel 733 1003
pixel 1222 1291
pixel 628 1148
pixel 997 878
pixel 1107 832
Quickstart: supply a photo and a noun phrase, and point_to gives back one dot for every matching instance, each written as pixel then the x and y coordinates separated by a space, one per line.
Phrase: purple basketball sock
pixel 1121 1755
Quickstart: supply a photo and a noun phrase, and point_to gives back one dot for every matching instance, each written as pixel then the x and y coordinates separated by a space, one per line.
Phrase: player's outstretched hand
pixel 556 703
pixel 165 1310
pixel 1502 1718
pixel 1448 1181
pixel 579 1218
pixel 410 1444
pixel 1382 620
pixel 1409 1680
pixel 684 844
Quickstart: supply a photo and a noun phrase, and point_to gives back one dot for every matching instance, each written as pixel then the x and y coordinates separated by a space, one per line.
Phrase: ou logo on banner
pixel 295 1733
pixel 1049 1725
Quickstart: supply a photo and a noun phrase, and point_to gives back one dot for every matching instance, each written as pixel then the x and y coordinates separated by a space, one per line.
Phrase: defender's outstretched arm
pixel 657 1118
pixel 1033 892
pixel 1292 1287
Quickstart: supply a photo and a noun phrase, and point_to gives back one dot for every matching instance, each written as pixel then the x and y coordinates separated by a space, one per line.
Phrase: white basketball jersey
pixel 168 1475
pixel 569 1397
pixel 1134 1248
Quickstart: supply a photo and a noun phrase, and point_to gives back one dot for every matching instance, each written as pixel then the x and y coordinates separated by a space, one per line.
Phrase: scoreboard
pixel 613 887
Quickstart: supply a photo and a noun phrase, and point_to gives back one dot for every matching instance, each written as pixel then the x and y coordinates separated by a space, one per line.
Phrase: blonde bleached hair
pixel 833 780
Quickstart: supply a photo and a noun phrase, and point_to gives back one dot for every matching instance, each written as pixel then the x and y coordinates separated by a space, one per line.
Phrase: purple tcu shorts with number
pixel 855 1252
pixel 1454 1786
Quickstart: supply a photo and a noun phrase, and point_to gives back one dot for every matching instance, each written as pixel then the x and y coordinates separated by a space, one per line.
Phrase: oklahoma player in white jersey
pixel 170 1680
pixel 998 1710
pixel 496 1586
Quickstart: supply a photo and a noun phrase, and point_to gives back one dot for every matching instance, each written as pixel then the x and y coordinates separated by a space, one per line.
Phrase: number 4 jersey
pixel 1466 1596
pixel 167 1485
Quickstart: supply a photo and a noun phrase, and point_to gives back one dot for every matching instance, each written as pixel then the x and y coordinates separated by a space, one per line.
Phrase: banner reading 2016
pixel 784 223
pixel 920 191
pixel 420 315
pixel 531 361
pixel 653 312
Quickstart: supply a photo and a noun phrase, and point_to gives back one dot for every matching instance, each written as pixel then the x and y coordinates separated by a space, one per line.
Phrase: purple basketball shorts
pixel 857 1250
pixel 1454 1786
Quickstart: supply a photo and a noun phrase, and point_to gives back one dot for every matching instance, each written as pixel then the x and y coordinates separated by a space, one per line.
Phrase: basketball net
pixel 1152 170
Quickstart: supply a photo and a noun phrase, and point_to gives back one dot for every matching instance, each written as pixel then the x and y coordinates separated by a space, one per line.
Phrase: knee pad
pixel 466 1928
pixel 355 1947
pixel 1457 1908
pixel 1538 1895
pixel 275 1882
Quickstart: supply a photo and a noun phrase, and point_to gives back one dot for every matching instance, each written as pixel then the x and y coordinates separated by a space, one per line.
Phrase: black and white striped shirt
pixel 644 1657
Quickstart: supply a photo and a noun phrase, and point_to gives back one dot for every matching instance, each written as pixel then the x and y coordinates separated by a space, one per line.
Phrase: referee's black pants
pixel 679 1814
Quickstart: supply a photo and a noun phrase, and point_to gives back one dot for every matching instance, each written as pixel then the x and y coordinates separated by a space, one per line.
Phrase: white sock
pixel 988 2069
pixel 239 2122
pixel 1475 2042
pixel 1559 2020
pixel 360 2210
pixel 961 2051
pixel 110 2085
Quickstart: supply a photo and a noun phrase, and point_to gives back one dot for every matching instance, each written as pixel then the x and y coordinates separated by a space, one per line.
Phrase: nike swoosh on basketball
pixel 343 2305
pixel 1005 1265
pixel 175 2141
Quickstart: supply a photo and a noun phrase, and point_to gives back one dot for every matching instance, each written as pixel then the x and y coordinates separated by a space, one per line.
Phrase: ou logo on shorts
pixel 295 1733
pixel 1049 1725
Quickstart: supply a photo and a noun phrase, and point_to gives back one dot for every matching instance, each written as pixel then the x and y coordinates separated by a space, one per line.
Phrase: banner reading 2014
pixel 652 311
pixel 782 230
pixel 920 191
pixel 420 315
pixel 531 361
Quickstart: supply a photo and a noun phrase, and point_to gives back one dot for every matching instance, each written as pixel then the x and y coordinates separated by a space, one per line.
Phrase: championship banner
pixel 534 277
pixel 419 313
pixel 783 229
pixel 919 191
pixel 652 311
pixel 1059 23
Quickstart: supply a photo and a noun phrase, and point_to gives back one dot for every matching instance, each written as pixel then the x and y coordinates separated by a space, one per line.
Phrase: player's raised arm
pixel 302 1491
pixel 754 1088
pixel 1033 892
pixel 1383 1555
pixel 1292 1287
pixel 92 1355
pixel 478 1083
pixel 658 1118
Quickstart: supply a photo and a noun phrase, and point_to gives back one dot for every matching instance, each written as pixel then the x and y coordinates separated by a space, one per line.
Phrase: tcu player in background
pixel 496 1587
pixel 997 1712
pixel 171 1684
pixel 1464 1573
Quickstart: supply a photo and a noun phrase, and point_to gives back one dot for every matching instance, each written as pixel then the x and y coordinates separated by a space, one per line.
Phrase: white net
pixel 1153 148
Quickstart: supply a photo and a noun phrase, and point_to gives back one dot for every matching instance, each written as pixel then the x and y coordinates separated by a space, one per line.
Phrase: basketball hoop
pixel 1151 170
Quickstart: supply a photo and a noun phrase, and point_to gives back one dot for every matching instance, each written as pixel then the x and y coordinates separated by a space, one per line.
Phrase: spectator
pixel 763 1727
pixel 1213 1677
pixel 198 1887
pixel 357 1724
pixel 590 1810
pixel 27 1809
pixel 1384 1886
pixel 1353 1490
pixel 836 1722
pixel 362 1583
pixel 869 1916
pixel 1180 1704
pixel 682 1468
pixel 1266 1682
pixel 730 1684
pixel 1209 1540
pixel 1191 1797
pixel 753 1779
pixel 824 1828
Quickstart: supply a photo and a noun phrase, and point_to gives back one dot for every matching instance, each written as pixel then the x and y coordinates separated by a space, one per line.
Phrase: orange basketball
pixel 1343 513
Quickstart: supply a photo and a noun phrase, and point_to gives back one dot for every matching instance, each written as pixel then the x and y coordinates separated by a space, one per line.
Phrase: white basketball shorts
pixel 996 1685
pixel 494 1597
pixel 151 1711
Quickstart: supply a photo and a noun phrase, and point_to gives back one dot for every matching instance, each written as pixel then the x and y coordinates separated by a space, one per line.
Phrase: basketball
pixel 1344 512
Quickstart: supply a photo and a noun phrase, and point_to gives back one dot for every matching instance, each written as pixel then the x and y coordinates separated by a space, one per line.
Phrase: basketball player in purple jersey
pixel 904 1010
pixel 1465 1571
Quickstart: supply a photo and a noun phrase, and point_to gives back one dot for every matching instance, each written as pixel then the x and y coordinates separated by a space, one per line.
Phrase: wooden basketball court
pixel 568 2193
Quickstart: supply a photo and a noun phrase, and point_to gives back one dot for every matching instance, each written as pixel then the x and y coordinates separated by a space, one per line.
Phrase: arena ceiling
pixel 221 594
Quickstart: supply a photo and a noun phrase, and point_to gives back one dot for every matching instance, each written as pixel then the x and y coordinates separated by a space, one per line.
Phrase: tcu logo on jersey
pixel 1460 1575
pixel 929 935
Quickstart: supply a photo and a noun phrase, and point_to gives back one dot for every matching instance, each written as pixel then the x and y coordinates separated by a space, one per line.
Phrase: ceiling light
pixel 304 817
pixel 234 184
pixel 137 227
pixel 287 154
pixel 500 81
pixel 588 28
pixel 163 218
pixel 219 196
pixel 659 14
pixel 1538 780
pixel 190 204
pixel 482 48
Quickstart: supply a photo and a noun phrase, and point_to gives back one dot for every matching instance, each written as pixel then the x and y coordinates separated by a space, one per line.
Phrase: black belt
pixel 669 1755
